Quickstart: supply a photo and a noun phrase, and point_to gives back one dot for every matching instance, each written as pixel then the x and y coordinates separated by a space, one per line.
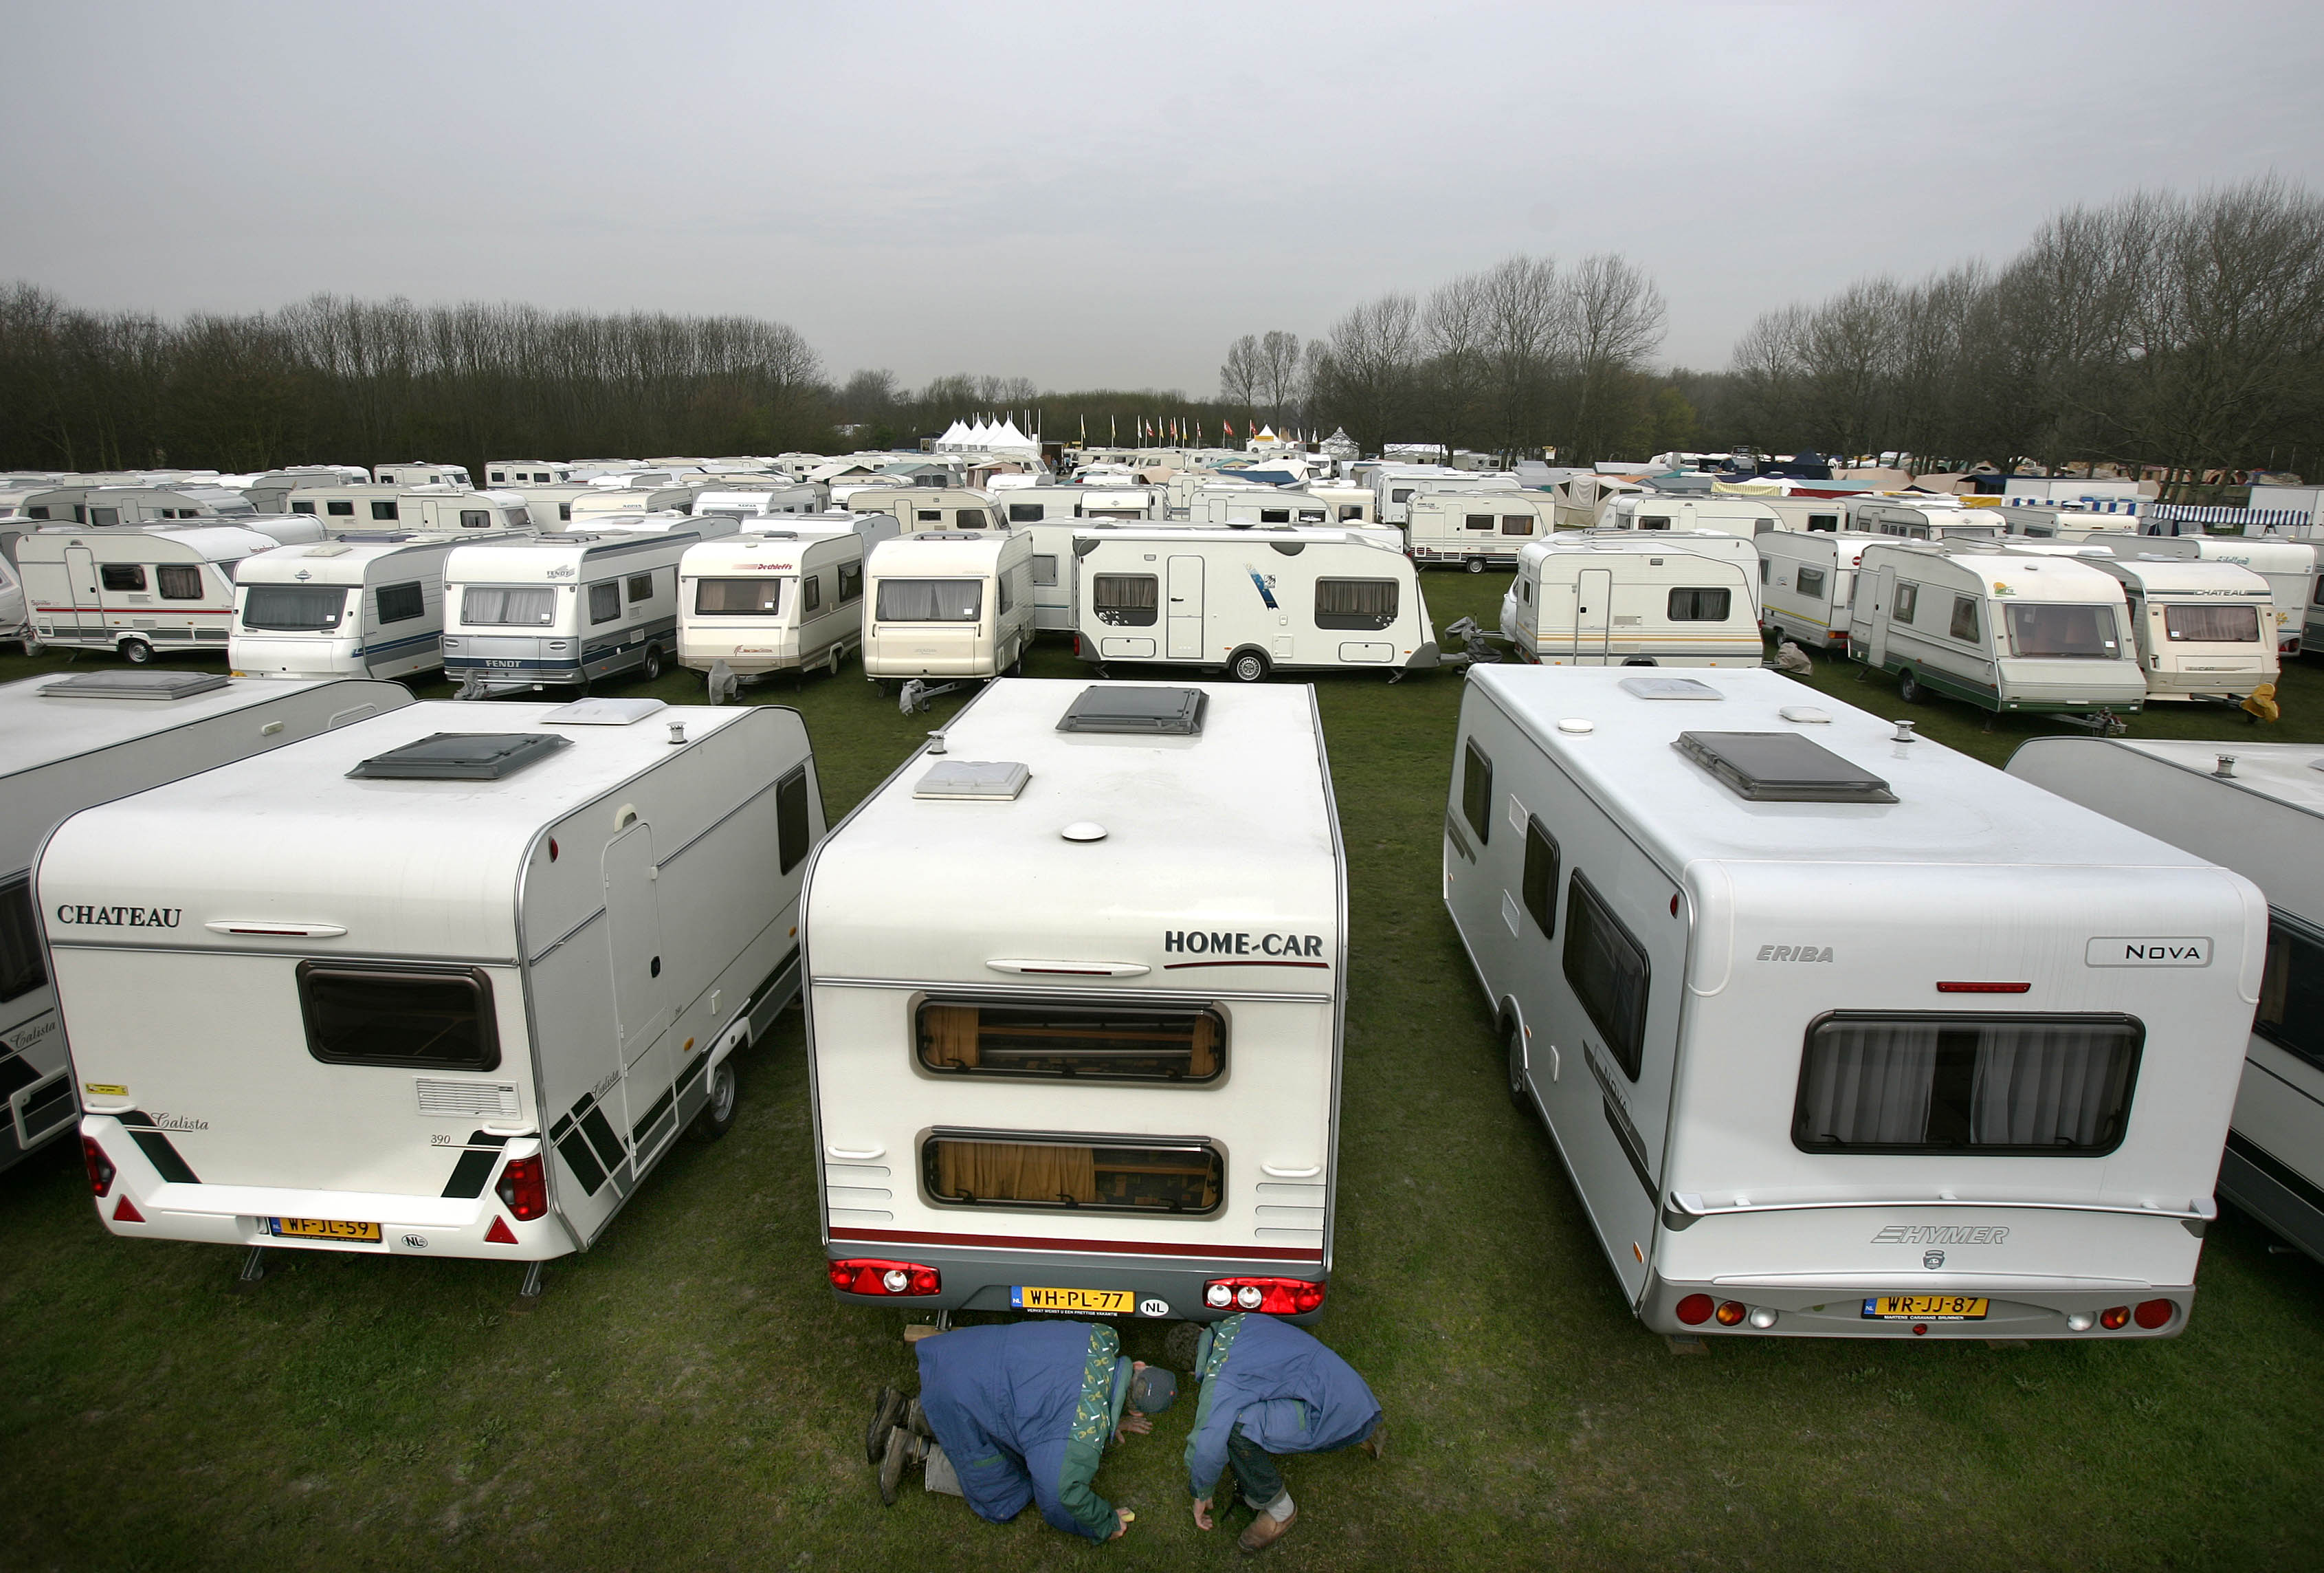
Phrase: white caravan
pixel 1041 1097
pixel 102 506
pixel 425 988
pixel 948 604
pixel 599 503
pixel 1348 505
pixel 1808 513
pixel 761 502
pixel 921 509
pixel 1865 1038
pixel 343 510
pixel 526 472
pixel 1117 505
pixel 2289 567
pixel 772 600
pixel 415 474
pixel 2202 630
pixel 15 612
pixel 1876 516
pixel 69 742
pixel 1476 530
pixel 2260 812
pixel 1248 602
pixel 1806 579
pixel 1035 504
pixel 136 592
pixel 1636 600
pixel 1730 515
pixel 560 610
pixel 351 608
pixel 1250 505
pixel 1394 487
pixel 2003 631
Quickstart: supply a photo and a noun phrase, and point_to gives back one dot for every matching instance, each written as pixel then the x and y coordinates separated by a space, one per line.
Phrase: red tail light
pixel 2153 1313
pixel 2114 1317
pixel 523 1188
pixel 1983 987
pixel 1694 1310
pixel 1279 1296
pixel 870 1275
pixel 1730 1312
pixel 100 1168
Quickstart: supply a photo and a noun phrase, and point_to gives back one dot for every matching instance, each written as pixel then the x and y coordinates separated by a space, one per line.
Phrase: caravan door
pixel 640 1002
pixel 80 578
pixel 1884 596
pixel 1593 615
pixel 1185 631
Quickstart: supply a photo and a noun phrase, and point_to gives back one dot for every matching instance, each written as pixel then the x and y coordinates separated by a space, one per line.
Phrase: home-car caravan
pixel 1248 602
pixel 1684 599
pixel 69 742
pixel 1042 1097
pixel 447 981
pixel 137 592
pixel 948 604
pixel 1476 530
pixel 355 607
pixel 1838 1033
pixel 771 600
pixel 1806 579
pixel 560 610
pixel 2260 812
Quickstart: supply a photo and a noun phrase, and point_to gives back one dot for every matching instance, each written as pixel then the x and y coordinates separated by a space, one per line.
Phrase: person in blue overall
pixel 1022 1412
pixel 1269 1388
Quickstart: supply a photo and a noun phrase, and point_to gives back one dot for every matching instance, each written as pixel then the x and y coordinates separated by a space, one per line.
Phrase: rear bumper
pixel 1837 1312
pixel 980 1277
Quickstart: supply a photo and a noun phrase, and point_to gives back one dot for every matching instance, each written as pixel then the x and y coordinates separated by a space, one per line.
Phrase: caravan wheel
pixel 1475 565
pixel 1517 1094
pixel 1908 687
pixel 653 661
pixel 1248 666
pixel 717 1115
pixel 838 658
pixel 136 651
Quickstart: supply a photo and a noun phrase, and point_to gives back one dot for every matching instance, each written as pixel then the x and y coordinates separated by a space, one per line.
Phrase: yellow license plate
pixel 323 1229
pixel 1925 1308
pixel 1118 1302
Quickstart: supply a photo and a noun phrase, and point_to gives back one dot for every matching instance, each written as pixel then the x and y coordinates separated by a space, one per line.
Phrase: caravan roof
pixel 54 717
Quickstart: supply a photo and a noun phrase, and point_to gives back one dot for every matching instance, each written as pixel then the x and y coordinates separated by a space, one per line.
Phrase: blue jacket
pixel 1280 1387
pixel 1024 1412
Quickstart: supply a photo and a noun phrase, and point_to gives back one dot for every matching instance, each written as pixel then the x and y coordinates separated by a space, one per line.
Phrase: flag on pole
pixel 1227 427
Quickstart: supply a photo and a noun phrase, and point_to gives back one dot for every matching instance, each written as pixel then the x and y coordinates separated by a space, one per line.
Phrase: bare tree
pixel 1365 374
pixel 1278 373
pixel 1615 320
pixel 1243 375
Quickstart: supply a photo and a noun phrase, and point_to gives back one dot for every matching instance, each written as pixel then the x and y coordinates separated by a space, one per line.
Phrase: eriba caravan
pixel 1840 1034
pixel 1805 578
pixel 1249 602
pixel 2260 812
pixel 2003 631
pixel 1041 1097
pixel 69 742
pixel 136 592
pixel 429 988
pixel 773 600
pixel 560 610
pixel 350 607
pixel 948 604
pixel 1634 600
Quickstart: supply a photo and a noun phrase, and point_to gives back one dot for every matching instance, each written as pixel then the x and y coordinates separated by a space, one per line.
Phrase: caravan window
pixel 1400 494
pixel 338 507
pixel 1517 523
pixel 928 515
pixel 1476 790
pixel 738 597
pixel 850 582
pixel 507 606
pixel 930 600
pixel 1700 606
pixel 1355 602
pixel 439 1019
pixel 1000 592
pixel 1478 520
pixel 1044 568
pixel 21 969
pixel 475 519
pixel 1078 1042
pixel 182 581
pixel 974 1168
pixel 399 603
pixel 105 515
pixel 791 822
pixel 293 608
pixel 2290 990
pixel 2018 1084
pixel 1540 885
pixel 1764 570
pixel 1654 522
pixel 307 507
pixel 604 601
pixel 811 593
pixel 1964 624
pixel 2206 624
pixel 121 576
pixel 1127 600
pixel 1811 583
pixel 641 586
pixel 1823 521
pixel 2062 632
pixel 1607 969
pixel 972 518
pixel 1908 598
pixel 1274 516
pixel 1351 511
pixel 1025 512
pixel 383 508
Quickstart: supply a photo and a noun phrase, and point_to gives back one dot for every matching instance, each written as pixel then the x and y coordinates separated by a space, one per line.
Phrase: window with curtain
pixel 1368 604
pixel 507 606
pixel 1076 1042
pixel 1908 600
pixel 1126 600
pixel 738 597
pixel 850 582
pixel 182 581
pixel 1811 583
pixel 930 601
pixel 1964 626
pixel 975 1170
pixel 1517 523
pixel 293 608
pixel 2197 624
pixel 2025 1085
pixel 604 602
pixel 2062 632
pixel 1700 604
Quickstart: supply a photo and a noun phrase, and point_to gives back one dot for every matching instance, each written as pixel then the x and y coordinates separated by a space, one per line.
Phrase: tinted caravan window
pixel 21 969
pixel 1477 792
pixel 792 824
pixel 1540 883
pixel 418 1017
pixel 1607 969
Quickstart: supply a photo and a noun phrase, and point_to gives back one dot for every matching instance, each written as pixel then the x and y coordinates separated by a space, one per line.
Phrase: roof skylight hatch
pixel 992 781
pixel 461 757
pixel 1782 767
pixel 134 685
pixel 1152 712
pixel 599 712
pixel 1670 687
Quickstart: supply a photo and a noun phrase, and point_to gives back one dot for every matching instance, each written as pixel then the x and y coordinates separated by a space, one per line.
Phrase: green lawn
pixel 688 1394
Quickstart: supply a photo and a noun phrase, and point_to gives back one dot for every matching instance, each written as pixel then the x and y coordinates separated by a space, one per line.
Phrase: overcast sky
pixel 1088 195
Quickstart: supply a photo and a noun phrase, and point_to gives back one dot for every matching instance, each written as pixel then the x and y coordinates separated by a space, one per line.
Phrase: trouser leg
pixel 1255 1476
pixel 940 1475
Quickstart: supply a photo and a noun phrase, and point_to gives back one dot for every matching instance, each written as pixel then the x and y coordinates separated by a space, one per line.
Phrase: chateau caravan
pixel 66 743
pixel 1040 1096
pixel 495 960
pixel 1743 954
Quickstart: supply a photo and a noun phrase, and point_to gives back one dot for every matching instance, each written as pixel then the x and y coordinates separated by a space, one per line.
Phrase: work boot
pixel 1266 1529
pixel 886 1414
pixel 916 1420
pixel 1376 1443
pixel 903 1449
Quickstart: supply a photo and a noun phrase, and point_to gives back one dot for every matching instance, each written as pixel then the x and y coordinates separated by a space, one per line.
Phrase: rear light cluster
pixel 1280 1297
pixel 1698 1309
pixel 523 1188
pixel 101 1172
pixel 870 1275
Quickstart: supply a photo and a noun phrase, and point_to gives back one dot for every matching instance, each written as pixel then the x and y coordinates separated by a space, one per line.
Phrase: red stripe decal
pixel 1181 966
pixel 1083 1248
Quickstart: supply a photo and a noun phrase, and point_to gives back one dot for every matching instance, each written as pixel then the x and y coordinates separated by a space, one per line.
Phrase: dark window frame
pixel 755 587
pixel 1537 885
pixel 1368 621
pixel 23 957
pixel 487 1055
pixel 1476 790
pixel 1115 612
pixel 1904 602
pixel 384 508
pixel 810 593
pixel 1800 585
pixel 929 1161
pixel 186 576
pixel 2283 926
pixel 1966 604
pixel 613 588
pixel 122 578
pixel 794 819
pixel 336 508
pixel 632 594
pixel 1697 596
pixel 410 601
pixel 850 582
pixel 1587 912
pixel 1061 1014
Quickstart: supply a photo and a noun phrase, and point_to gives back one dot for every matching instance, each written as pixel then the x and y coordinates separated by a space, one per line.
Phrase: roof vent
pixel 604 712
pixel 1782 767
pixel 1151 712
pixel 974 779
pixel 327 549
pixel 1670 687
pixel 460 756
pixel 134 685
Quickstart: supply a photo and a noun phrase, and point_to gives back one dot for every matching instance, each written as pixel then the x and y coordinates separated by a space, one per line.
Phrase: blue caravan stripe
pixel 428 638
pixel 1260 584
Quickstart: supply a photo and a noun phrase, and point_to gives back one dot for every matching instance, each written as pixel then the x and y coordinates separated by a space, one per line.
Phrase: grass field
pixel 688 1395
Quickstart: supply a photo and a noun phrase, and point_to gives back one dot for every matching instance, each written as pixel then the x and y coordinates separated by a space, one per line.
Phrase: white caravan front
pixel 2289 567
pixel 444 983
pixel 1074 1009
pixel 1476 530
pixel 341 608
pixel 136 592
pixel 2202 630
pixel 560 610
pixel 1843 1035
pixel 69 742
pixel 779 600
pixel 948 604
pixel 1624 600
pixel 1805 580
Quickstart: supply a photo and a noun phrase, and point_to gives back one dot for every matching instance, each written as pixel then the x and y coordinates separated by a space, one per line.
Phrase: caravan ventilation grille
pixel 487 1098
pixel 1782 767
pixel 976 780
pixel 1668 688
pixel 1152 712
pixel 134 685
pixel 460 756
